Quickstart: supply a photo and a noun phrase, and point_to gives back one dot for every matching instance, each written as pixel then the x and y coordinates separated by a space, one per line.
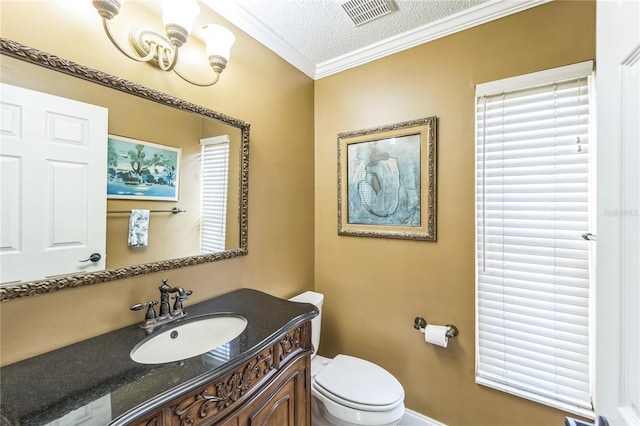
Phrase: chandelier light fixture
pixel 162 49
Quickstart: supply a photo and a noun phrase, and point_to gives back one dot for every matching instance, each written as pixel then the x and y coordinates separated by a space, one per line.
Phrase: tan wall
pixel 257 87
pixel 375 287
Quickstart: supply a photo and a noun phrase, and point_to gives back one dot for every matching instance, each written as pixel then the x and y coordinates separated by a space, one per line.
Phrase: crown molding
pixel 481 14
pixel 478 15
pixel 248 23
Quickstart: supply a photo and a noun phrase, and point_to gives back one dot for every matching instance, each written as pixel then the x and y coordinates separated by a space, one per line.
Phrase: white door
pixel 617 386
pixel 53 185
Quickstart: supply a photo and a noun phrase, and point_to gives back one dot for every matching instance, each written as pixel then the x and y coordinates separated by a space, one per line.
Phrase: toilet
pixel 347 390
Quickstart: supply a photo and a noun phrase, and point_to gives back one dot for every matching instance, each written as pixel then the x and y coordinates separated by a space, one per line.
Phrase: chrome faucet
pixel 165 314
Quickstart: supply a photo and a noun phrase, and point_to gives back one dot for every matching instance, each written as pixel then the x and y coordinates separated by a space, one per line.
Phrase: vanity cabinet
pixel 262 377
pixel 272 388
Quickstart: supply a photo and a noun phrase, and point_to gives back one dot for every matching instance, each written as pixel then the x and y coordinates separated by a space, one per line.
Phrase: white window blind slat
pixel 522 226
pixel 514 310
pixel 542 362
pixel 215 175
pixel 532 205
pixel 573 287
pixel 542 171
pixel 534 302
pixel 539 388
pixel 524 358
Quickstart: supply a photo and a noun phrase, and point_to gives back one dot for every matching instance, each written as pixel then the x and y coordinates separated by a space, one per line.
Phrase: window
pixel 215 176
pixel 532 264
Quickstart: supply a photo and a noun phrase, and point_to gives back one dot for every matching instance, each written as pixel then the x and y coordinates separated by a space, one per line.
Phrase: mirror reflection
pixel 145 130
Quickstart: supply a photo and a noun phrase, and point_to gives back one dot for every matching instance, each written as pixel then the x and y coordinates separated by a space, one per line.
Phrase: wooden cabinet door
pixel 284 402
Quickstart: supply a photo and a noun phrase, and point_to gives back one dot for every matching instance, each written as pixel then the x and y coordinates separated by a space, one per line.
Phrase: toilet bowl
pixel 347 390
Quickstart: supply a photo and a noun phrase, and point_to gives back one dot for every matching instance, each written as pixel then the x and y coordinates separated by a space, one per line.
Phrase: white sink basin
pixel 190 338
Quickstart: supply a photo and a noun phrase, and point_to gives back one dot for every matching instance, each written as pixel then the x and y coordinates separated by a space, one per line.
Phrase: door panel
pixel 617 393
pixel 53 158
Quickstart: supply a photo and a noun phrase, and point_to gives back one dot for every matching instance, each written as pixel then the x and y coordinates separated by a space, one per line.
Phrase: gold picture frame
pixel 387 181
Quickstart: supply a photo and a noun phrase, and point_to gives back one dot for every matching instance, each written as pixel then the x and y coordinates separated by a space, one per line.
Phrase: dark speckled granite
pixel 44 388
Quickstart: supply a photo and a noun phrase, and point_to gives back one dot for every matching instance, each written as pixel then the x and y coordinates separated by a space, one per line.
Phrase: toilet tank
pixel 315 299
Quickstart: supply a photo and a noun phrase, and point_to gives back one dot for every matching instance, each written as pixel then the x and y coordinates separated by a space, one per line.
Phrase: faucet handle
pixel 182 294
pixel 179 298
pixel 151 312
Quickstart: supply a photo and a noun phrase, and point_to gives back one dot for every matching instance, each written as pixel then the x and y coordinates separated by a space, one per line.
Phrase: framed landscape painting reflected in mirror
pixel 142 170
pixel 387 181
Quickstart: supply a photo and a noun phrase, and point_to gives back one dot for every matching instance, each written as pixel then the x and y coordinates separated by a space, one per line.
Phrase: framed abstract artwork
pixel 387 181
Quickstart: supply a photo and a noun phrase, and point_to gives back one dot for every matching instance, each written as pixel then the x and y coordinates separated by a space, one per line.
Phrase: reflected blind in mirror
pixel 215 177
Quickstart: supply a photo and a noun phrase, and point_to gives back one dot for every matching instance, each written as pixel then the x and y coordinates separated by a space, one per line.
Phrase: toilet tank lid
pixel 359 381
pixel 309 297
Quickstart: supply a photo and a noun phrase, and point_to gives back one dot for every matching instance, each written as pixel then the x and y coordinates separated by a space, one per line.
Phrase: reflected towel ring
pixel 174 210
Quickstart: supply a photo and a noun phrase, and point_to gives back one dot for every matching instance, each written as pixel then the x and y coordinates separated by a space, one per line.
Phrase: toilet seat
pixel 317 389
pixel 327 412
pixel 359 384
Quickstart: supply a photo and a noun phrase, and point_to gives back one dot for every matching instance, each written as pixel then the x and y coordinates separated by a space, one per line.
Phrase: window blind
pixel 215 176
pixel 532 205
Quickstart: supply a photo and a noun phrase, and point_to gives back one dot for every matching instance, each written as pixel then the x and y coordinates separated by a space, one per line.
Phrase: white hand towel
pixel 139 228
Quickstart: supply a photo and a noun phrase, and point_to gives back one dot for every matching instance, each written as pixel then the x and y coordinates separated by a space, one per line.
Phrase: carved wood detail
pixel 156 420
pixel 153 422
pixel 211 400
pixel 296 340
pixel 290 343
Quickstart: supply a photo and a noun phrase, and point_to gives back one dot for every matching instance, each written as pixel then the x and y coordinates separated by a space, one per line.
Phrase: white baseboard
pixel 411 418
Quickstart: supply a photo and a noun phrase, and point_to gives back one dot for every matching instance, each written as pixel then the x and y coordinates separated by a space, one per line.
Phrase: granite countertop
pixel 44 388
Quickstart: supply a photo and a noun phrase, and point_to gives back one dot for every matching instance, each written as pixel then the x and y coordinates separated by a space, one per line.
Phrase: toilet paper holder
pixel 420 324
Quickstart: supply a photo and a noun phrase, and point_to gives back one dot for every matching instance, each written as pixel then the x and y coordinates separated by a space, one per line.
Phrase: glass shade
pixel 218 39
pixel 108 9
pixel 179 12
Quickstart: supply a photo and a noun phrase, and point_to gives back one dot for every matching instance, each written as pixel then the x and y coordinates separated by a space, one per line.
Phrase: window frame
pixel 513 84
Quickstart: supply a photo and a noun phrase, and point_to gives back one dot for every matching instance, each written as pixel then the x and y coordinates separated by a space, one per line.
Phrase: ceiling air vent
pixel 363 11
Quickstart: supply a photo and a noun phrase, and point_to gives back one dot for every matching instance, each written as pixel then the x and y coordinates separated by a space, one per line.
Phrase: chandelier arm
pixel 174 60
pixel 105 25
pixel 161 57
pixel 188 80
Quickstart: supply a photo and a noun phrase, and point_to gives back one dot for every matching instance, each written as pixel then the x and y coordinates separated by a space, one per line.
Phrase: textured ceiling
pixel 319 38
pixel 321 30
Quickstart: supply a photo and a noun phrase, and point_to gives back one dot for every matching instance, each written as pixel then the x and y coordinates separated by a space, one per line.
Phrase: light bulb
pixel 179 13
pixel 218 40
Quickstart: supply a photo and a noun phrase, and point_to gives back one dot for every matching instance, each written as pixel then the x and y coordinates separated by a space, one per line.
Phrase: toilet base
pixel 317 415
pixel 321 417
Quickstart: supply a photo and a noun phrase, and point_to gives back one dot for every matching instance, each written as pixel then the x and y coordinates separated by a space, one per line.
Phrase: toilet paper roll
pixel 437 335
